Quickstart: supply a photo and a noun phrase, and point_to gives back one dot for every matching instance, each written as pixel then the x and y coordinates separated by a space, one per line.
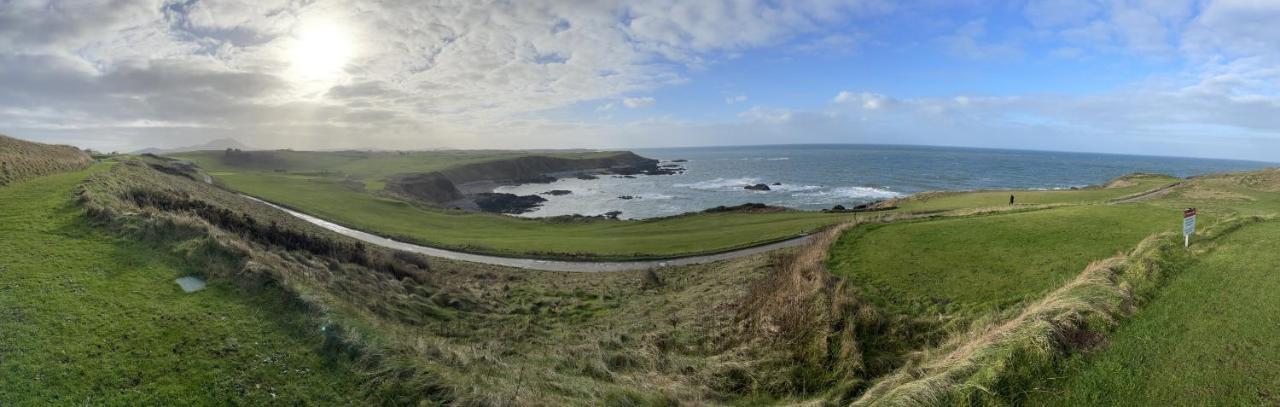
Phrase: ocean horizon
pixel 819 176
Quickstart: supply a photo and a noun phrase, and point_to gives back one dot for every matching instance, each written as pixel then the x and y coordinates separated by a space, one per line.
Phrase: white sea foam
pixel 794 188
pixel 850 193
pixel 720 184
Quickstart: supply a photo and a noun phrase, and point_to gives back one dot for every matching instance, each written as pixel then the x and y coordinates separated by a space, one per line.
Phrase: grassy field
pixel 988 261
pixel 90 319
pixel 1122 187
pixel 1208 337
pixel 371 167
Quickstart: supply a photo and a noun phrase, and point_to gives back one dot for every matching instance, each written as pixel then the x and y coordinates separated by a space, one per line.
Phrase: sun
pixel 320 51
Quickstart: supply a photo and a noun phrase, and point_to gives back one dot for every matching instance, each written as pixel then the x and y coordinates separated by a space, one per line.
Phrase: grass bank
pixel 1207 338
pixel 86 318
pixel 20 160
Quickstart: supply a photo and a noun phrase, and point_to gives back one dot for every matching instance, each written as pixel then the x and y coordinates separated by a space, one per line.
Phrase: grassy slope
pixel 373 167
pixel 1207 338
pixel 506 235
pixel 20 159
pixel 86 318
pixel 991 260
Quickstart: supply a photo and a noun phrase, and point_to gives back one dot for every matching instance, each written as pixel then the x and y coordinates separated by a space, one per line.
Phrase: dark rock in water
pixel 647 168
pixel 507 203
pixel 1075 188
pixel 558 192
pixel 777 183
pixel 837 208
pixel 679 160
pixel 627 197
pixel 612 214
pixel 540 179
pixel 587 177
pixel 758 187
pixel 747 207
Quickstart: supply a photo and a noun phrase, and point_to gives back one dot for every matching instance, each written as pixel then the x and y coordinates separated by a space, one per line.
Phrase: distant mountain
pixel 219 144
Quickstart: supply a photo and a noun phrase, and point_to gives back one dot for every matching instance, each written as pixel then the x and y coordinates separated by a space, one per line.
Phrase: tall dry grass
pixel 21 160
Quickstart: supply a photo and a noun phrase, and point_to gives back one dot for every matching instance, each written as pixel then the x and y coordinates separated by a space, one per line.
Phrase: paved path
pixel 536 264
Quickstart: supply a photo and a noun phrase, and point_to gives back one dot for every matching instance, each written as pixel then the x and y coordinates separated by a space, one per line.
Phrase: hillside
pixel 1030 303
pixel 212 145
pixel 91 318
pixel 344 187
pixel 21 160
pixel 439 331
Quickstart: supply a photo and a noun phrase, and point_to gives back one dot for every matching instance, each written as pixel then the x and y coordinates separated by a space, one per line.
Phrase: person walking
pixel 1010 199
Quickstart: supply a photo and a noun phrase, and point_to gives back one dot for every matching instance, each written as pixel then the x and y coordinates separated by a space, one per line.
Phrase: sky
pixel 1197 78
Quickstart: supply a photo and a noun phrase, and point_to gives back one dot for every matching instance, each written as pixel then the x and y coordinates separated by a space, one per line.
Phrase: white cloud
pixel 766 115
pixel 637 103
pixel 865 100
pixel 735 99
pixel 421 72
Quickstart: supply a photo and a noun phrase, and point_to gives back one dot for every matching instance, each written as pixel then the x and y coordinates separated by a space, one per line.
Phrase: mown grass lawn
pixel 507 235
pixel 88 319
pixel 1208 337
pixel 980 262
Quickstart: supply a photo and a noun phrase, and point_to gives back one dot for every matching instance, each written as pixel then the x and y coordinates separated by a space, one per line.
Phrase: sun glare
pixel 320 51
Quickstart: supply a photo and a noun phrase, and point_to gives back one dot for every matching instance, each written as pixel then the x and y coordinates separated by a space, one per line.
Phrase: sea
pixel 813 177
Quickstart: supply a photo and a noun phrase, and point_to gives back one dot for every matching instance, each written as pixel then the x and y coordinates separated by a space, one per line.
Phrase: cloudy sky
pixel 1161 77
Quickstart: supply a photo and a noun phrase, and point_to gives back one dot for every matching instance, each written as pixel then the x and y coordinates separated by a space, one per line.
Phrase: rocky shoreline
pixel 471 187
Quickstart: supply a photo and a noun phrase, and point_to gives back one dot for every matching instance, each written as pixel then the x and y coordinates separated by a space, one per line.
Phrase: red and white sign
pixel 1189 222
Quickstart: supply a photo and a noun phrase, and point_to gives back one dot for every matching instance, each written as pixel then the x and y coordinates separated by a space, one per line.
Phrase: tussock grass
pixel 21 160
pixel 996 362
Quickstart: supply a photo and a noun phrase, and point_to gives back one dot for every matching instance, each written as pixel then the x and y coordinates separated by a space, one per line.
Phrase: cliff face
pixel 20 159
pixel 441 186
pixel 536 167
pixel 428 187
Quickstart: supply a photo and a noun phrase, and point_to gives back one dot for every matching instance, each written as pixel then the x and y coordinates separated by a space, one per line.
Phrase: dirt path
pixel 536 264
pixel 1146 195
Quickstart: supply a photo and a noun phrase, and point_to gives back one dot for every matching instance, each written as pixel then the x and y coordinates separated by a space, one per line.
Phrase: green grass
pixel 507 235
pixel 979 199
pixel 372 167
pixel 980 262
pixel 90 319
pixel 1208 338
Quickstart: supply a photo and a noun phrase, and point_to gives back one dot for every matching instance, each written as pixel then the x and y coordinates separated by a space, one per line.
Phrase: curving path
pixel 536 264
pixel 1146 195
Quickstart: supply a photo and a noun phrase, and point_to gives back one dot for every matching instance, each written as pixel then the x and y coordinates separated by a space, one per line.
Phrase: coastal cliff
pixel 442 186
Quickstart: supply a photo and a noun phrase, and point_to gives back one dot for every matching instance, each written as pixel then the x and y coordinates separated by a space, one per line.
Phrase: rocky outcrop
pixel 442 186
pixel 508 203
pixel 429 187
pixel 747 208
pixel 757 187
pixel 558 192
pixel 537 167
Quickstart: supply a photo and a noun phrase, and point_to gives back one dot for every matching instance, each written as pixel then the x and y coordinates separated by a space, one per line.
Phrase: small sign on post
pixel 1188 226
